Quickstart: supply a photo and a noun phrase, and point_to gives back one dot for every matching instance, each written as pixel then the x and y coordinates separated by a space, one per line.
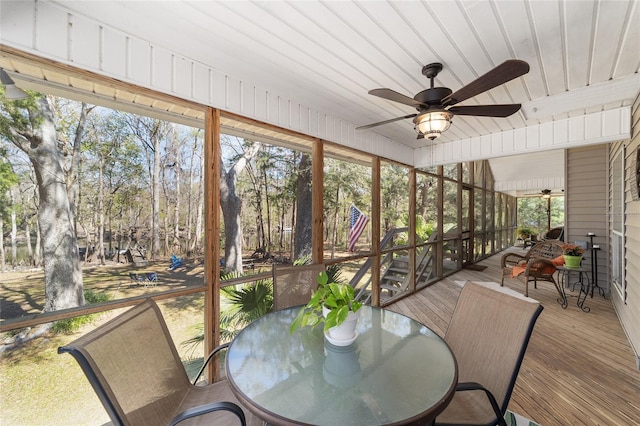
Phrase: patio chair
pixel 151 279
pixel 293 285
pixel 536 265
pixel 135 370
pixel 176 262
pixel 488 334
pixel 135 279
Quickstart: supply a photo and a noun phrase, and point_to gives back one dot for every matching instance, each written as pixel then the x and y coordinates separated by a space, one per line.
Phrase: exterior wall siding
pixel 50 31
pixel 586 197
pixel 629 311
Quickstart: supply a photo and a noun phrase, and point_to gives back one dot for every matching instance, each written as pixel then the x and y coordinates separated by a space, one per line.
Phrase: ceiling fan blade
pixel 503 110
pixel 392 95
pixel 501 74
pixel 367 126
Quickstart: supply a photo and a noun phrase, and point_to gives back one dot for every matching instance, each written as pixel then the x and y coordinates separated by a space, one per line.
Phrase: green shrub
pixel 71 325
pixel 524 232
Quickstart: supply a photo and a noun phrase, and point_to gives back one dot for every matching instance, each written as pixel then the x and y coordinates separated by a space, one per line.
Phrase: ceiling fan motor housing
pixel 432 97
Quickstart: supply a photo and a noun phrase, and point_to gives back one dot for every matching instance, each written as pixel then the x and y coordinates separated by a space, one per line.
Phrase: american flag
pixel 358 222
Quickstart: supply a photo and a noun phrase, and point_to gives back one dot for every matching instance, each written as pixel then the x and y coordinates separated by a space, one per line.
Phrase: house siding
pixel 629 311
pixel 586 198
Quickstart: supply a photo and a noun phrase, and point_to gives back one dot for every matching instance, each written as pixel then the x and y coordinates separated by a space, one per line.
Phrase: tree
pixel 302 240
pixel 231 205
pixel 8 179
pixel 151 132
pixel 29 124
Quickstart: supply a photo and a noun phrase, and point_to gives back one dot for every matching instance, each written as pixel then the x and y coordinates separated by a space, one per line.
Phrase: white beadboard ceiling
pixel 584 56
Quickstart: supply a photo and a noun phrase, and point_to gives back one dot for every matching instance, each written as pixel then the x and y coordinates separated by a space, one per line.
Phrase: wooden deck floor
pixel 579 368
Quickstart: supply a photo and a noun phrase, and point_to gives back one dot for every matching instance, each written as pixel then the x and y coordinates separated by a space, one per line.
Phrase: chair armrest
pixel 206 361
pixel 465 386
pixel 208 408
pixel 511 259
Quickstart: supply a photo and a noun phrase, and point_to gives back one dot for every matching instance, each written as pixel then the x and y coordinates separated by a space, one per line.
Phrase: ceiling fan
pixel 435 104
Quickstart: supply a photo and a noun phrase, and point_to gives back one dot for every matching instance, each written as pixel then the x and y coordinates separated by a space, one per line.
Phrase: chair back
pixel 293 285
pixel 133 366
pixel 488 334
pixel 546 249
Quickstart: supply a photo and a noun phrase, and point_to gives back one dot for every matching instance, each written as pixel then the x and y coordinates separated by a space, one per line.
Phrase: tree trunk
pixel 14 230
pixel 27 235
pixel 268 208
pixel 72 176
pixel 37 257
pixel 200 209
pixel 302 238
pixel 2 264
pixel 100 250
pixel 155 216
pixel 335 223
pixel 176 211
pixel 190 220
pixel 62 272
pixel 231 212
pixel 232 209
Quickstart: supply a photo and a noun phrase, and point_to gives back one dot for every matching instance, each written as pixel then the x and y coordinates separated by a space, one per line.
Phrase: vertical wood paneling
pixel 218 86
pixel 162 69
pixel 85 36
pixel 201 83
pixel 52 30
pixel 17 20
pixel 139 62
pixel 233 93
pixel 112 60
pixel 182 76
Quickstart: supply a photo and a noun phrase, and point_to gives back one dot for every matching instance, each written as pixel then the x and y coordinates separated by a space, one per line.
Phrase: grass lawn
pixel 40 387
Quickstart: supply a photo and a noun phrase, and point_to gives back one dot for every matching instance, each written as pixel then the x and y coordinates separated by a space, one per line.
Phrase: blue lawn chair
pixel 176 262
pixel 152 279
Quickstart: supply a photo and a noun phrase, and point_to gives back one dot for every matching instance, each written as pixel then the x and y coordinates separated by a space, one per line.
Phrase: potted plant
pixel 335 304
pixel 572 254
pixel 524 232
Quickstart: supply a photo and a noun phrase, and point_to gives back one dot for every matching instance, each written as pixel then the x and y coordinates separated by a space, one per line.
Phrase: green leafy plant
pixel 339 298
pixel 71 325
pixel 524 232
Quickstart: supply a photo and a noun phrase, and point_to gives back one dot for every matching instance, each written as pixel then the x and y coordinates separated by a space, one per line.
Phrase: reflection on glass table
pixel 397 371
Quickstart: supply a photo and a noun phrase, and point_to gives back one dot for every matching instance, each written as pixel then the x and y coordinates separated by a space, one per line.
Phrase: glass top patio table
pixel 397 371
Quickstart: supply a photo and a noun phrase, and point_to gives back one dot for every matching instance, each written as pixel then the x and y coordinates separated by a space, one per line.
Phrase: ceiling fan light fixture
pixel 432 123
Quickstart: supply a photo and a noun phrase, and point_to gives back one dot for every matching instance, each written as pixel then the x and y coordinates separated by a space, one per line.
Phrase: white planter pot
pixel 345 333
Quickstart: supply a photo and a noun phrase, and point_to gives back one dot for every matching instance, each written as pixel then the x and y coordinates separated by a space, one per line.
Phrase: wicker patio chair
pixel 135 370
pixel 293 285
pixel 536 265
pixel 488 334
